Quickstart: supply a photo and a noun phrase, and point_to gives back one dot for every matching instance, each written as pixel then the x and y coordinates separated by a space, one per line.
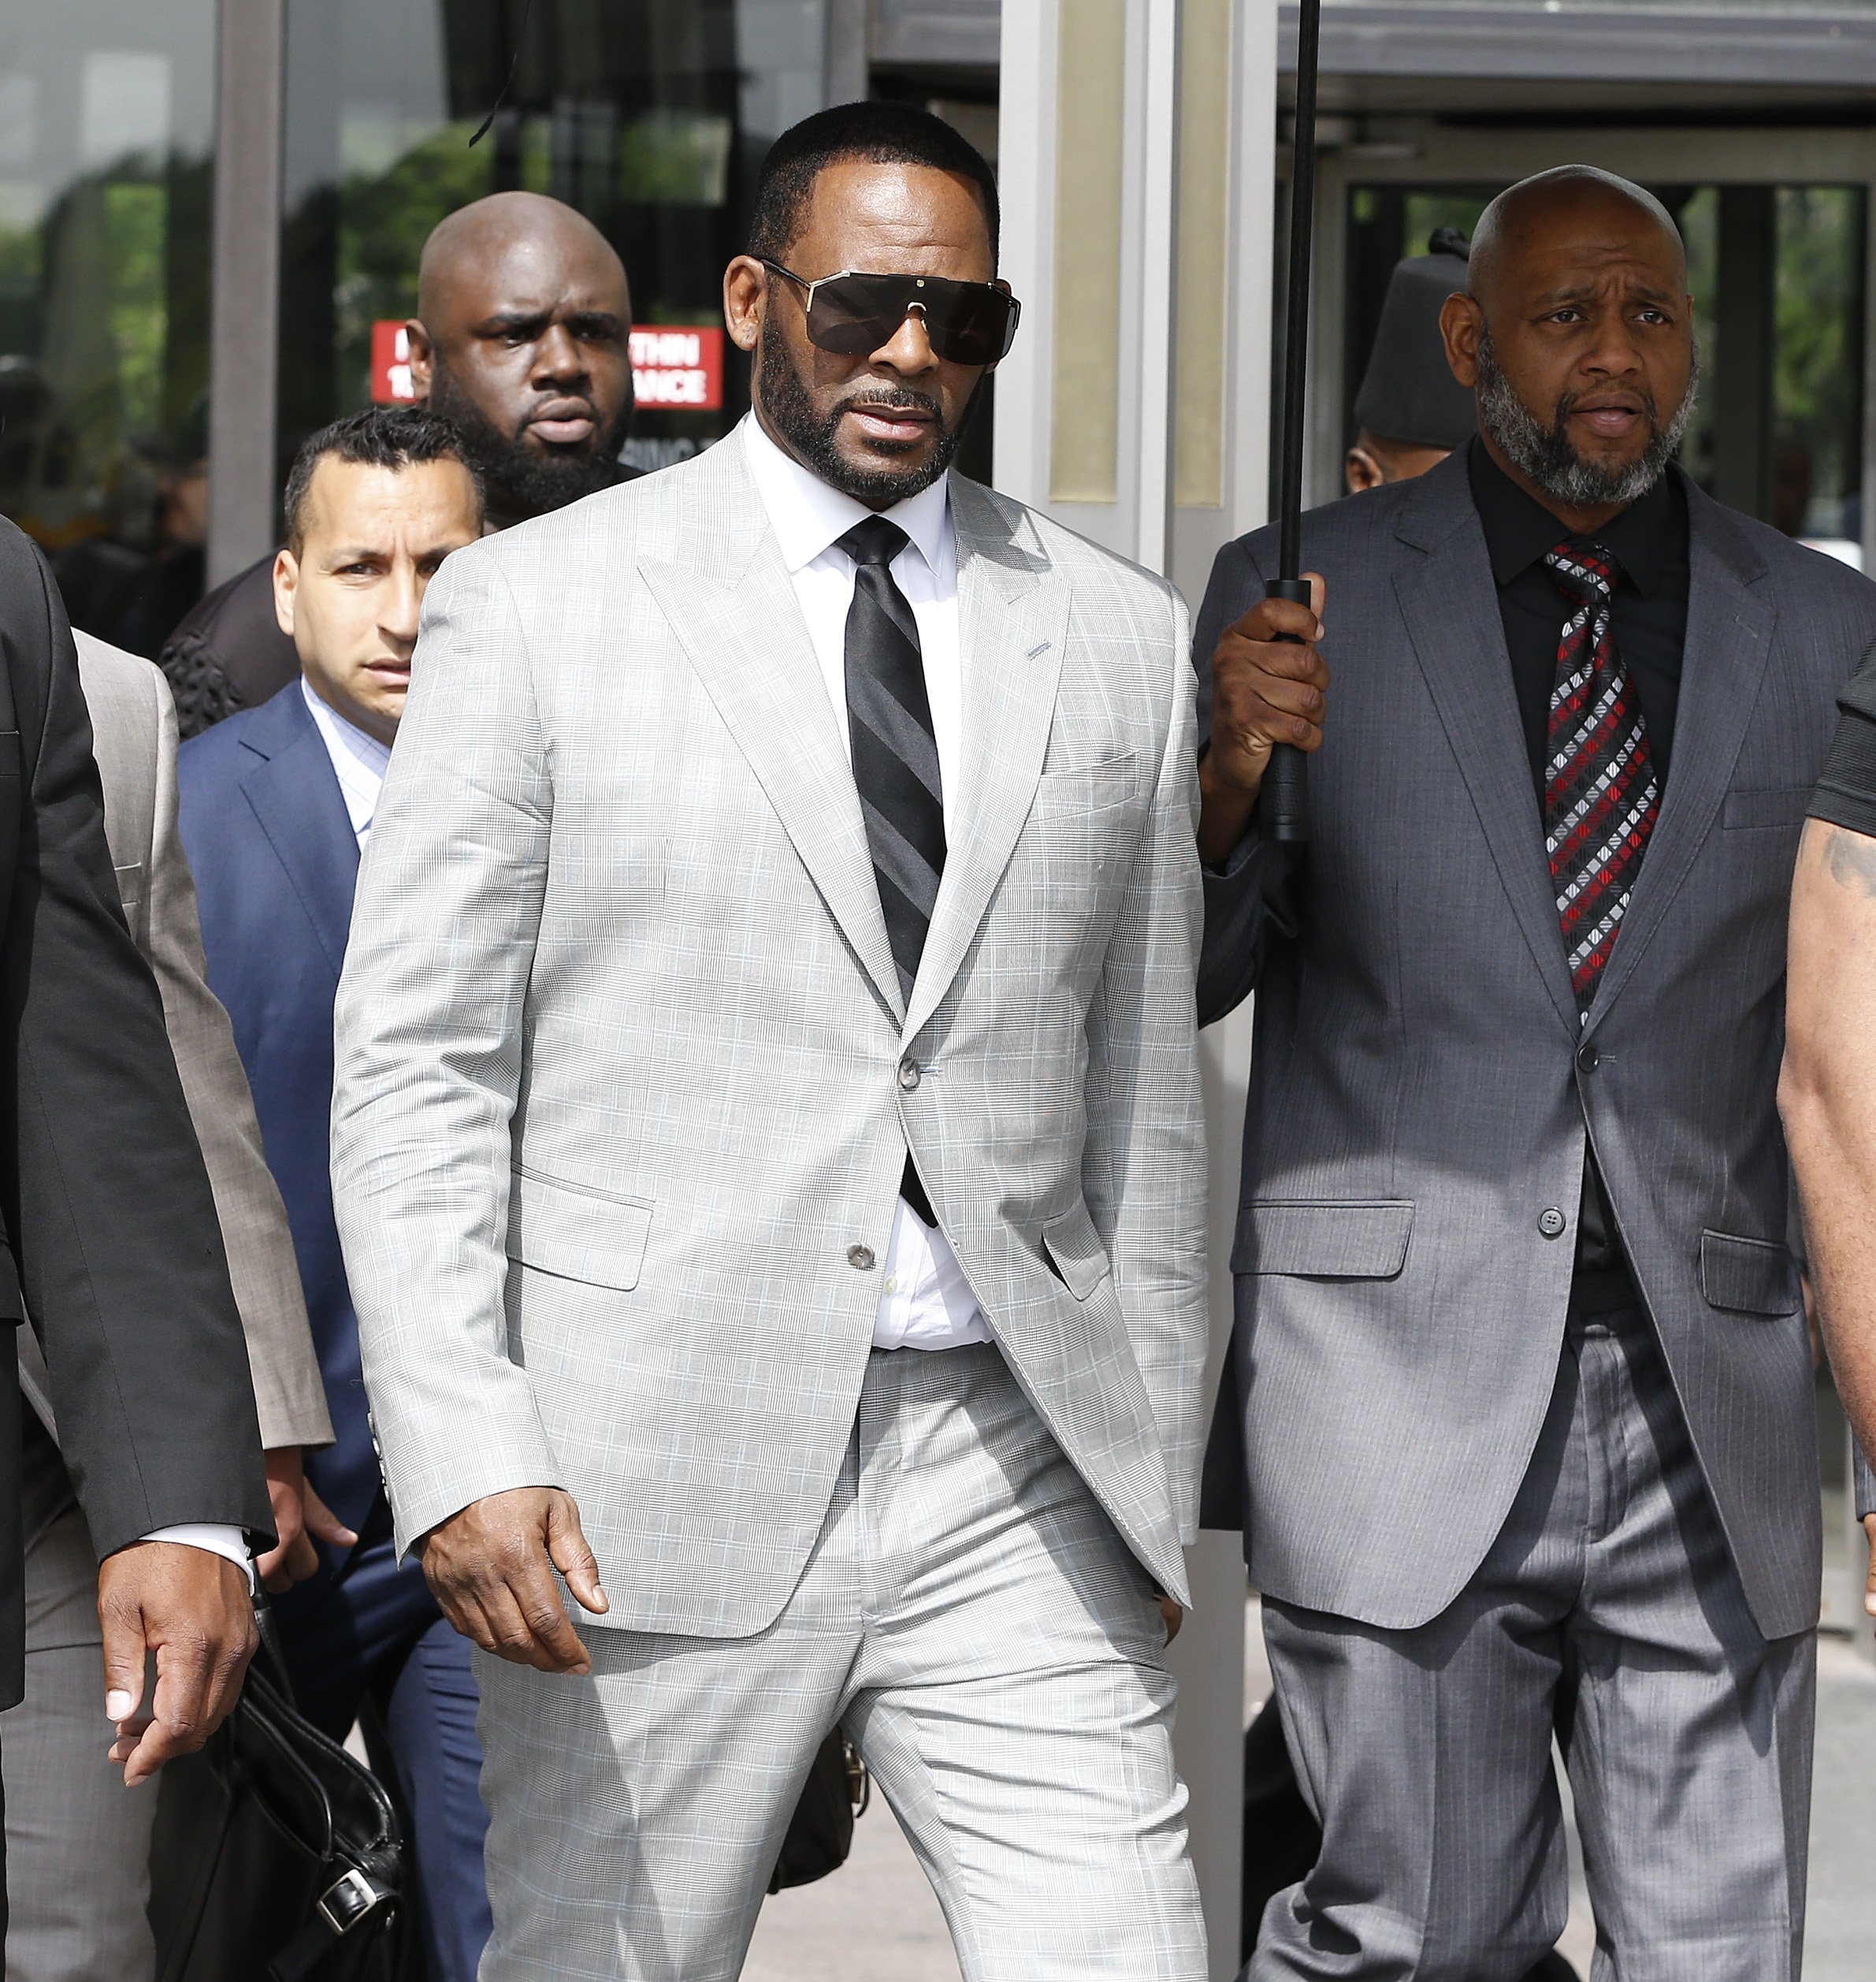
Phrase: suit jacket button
pixel 1551 1223
pixel 908 1073
pixel 861 1256
pixel 1587 1058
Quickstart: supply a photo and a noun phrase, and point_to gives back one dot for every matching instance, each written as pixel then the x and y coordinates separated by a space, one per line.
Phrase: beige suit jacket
pixel 133 722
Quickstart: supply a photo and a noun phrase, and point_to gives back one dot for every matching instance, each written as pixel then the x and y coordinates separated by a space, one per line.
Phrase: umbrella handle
pixel 1285 793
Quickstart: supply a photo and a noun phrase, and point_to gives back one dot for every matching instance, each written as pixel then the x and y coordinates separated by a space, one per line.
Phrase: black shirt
pixel 1649 541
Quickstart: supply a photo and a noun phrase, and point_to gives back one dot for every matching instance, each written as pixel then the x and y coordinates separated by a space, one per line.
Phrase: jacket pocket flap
pixel 1752 1276
pixel 1075 1246
pixel 1323 1239
pixel 576 1234
pixel 1784 805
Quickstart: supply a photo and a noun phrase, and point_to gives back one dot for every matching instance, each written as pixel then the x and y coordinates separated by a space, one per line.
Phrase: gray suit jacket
pixel 134 740
pixel 1421 1091
pixel 625 1078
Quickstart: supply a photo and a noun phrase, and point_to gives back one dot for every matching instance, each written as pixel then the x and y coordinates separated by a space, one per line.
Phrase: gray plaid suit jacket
pixel 624 1080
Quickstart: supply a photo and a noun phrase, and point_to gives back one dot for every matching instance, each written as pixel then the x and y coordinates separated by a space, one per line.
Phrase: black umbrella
pixel 1286 782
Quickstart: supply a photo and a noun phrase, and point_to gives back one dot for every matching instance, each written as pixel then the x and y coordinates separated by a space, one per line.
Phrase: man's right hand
pixel 489 1568
pixel 1265 690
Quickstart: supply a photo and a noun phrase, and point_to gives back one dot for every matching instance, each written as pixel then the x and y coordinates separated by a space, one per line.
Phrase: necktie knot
pixel 1584 570
pixel 873 541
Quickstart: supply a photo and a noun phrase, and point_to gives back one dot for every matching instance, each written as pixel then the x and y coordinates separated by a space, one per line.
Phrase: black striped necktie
pixel 895 759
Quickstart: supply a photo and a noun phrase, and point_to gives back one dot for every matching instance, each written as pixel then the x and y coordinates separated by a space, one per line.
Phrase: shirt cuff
pixel 218 1537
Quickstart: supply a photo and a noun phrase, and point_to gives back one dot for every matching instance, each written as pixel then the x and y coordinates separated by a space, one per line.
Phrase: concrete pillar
pixel 1136 151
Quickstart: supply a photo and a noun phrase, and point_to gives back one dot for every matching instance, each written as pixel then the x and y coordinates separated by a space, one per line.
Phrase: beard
pixel 1548 455
pixel 783 395
pixel 523 480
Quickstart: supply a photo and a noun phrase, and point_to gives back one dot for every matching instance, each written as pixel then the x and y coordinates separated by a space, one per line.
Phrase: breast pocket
pixel 1768 810
pixel 1090 809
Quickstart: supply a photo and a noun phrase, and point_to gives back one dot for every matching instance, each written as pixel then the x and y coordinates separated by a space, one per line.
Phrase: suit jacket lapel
pixel 294 795
pixel 1451 604
pixel 734 612
pixel 1011 633
pixel 1728 642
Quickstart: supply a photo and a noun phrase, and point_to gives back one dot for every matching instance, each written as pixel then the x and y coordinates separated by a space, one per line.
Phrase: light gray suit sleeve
pixel 1143 1169
pixel 135 736
pixel 428 1056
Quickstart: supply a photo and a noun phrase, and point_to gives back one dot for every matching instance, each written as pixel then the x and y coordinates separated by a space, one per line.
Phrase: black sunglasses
pixel 967 323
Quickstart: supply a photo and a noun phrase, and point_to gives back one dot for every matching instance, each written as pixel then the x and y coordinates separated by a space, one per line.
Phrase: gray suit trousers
pixel 1608 1611
pixel 77 1841
pixel 989 1641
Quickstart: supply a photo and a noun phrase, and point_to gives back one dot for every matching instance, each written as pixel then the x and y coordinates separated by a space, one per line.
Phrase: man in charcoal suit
pixel 1523 1381
pixel 767 1139
pixel 112 1244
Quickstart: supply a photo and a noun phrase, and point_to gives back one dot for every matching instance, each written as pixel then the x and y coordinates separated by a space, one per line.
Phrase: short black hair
pixel 897 134
pixel 380 436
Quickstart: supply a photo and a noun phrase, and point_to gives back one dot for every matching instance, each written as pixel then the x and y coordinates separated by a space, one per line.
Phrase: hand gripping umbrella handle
pixel 1285 795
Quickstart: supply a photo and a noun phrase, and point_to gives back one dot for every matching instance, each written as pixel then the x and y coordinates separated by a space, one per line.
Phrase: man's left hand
pixel 1175 1616
pixel 1869 1588
pixel 193 1609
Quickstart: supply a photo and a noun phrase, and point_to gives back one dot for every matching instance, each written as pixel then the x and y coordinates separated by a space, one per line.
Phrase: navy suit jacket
pixel 276 862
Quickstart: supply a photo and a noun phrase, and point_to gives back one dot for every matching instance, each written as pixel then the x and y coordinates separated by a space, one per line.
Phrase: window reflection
pixel 648 116
pixel 105 164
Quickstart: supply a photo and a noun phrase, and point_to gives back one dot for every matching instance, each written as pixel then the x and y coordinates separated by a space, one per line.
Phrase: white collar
pixel 808 517
pixel 341 733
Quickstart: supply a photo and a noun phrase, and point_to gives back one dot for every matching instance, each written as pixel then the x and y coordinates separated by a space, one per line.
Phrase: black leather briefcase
pixel 277 1856
pixel 820 1833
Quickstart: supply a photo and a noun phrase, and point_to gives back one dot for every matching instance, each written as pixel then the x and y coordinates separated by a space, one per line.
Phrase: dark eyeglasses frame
pixel 808 289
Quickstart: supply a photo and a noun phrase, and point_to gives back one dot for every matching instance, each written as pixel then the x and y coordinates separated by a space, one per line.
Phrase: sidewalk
pixel 875 1920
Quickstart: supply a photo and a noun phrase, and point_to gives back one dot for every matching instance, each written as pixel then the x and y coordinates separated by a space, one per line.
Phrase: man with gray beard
pixel 1522 1428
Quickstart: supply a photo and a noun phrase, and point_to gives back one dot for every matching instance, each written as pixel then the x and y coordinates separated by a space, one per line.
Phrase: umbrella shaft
pixel 1296 333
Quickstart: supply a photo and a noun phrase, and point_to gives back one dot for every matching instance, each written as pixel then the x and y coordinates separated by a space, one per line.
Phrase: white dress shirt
pixel 220 1538
pixel 359 761
pixel 925 1301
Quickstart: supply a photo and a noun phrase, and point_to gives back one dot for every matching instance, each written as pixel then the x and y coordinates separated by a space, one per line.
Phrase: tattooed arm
pixel 1827 1094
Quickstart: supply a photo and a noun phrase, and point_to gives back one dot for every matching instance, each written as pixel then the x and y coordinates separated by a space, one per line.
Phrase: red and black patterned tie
pixel 1599 791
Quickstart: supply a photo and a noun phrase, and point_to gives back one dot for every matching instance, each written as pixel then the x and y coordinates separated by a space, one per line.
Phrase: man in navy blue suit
pixel 275 804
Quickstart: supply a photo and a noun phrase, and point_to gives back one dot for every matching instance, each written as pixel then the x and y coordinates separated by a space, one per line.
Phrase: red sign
pixel 391 363
pixel 678 366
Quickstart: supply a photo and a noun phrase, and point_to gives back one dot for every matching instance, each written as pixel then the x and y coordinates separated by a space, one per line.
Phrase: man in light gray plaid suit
pixel 768 1140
